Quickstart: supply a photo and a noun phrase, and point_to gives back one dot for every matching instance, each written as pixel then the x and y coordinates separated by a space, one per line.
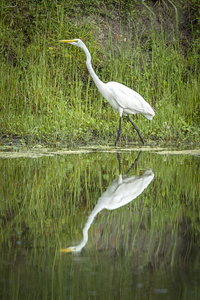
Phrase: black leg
pixel 119 161
pixel 119 131
pixel 136 129
pixel 134 164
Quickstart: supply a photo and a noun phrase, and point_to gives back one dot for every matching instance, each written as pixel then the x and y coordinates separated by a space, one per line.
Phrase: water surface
pixel 132 220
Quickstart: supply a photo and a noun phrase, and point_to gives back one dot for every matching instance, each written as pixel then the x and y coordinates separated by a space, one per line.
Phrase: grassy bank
pixel 47 95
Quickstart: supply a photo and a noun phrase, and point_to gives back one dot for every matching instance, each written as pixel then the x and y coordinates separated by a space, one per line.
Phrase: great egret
pixel 123 99
pixel 121 192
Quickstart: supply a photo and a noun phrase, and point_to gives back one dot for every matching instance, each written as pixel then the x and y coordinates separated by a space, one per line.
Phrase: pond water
pixel 93 224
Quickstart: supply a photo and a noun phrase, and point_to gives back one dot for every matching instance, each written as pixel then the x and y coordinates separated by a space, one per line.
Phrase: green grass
pixel 47 95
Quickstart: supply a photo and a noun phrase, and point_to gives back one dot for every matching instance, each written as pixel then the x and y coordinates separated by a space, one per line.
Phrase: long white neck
pixel 91 217
pixel 96 79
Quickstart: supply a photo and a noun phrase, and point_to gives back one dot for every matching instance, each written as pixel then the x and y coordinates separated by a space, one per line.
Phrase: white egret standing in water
pixel 123 99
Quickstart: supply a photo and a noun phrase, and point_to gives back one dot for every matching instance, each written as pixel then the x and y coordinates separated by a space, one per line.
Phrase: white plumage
pixel 122 191
pixel 128 100
pixel 123 99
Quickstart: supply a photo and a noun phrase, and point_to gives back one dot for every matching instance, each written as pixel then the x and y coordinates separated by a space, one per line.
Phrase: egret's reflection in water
pixel 122 191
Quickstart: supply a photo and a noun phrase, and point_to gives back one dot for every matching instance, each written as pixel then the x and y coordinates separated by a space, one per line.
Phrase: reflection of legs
pixel 136 129
pixel 119 161
pixel 119 131
pixel 134 164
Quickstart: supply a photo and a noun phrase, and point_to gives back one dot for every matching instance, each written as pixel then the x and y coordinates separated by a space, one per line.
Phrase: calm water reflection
pixel 136 235
pixel 122 191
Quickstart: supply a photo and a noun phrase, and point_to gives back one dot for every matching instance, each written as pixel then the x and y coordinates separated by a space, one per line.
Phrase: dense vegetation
pixel 46 94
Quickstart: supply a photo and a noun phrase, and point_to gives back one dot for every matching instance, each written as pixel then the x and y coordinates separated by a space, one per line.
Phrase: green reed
pixel 48 95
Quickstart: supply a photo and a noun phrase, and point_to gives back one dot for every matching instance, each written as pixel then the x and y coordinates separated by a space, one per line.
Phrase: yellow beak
pixel 67 41
pixel 65 250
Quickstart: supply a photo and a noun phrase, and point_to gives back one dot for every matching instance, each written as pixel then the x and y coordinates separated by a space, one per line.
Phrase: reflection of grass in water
pixel 141 234
pixel 46 202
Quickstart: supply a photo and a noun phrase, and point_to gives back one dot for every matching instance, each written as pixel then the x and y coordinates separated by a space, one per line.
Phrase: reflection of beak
pixel 67 250
pixel 67 41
